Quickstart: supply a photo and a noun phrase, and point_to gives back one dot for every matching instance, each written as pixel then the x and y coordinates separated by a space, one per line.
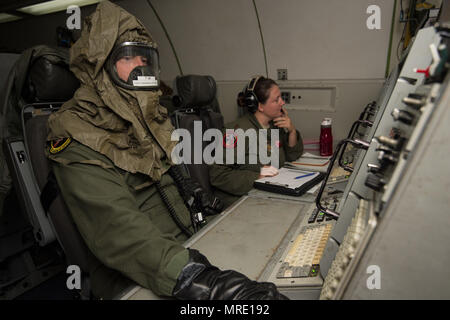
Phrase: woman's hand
pixel 284 121
pixel 268 171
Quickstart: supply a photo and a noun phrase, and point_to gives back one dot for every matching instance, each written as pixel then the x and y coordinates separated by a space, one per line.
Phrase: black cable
pixel 177 176
pixel 171 209
pixel 402 38
pixel 413 24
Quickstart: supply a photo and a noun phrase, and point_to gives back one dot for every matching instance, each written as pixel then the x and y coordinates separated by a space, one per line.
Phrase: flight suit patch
pixel 278 145
pixel 59 145
pixel 229 140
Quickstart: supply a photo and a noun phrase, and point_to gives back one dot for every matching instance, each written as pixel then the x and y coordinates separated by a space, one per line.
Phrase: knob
pixel 395 133
pixel 374 168
pixel 395 144
pixel 339 273
pixel 334 284
pixel 402 116
pixel 414 100
pixel 375 181
pixel 387 156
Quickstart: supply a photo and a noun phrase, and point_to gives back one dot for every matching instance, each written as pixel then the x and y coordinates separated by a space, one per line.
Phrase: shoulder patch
pixel 59 145
pixel 229 140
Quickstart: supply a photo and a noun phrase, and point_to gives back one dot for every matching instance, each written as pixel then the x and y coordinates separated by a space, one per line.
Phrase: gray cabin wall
pixel 333 61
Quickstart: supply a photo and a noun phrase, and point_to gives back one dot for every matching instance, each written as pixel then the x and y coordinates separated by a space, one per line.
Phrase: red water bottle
pixel 326 138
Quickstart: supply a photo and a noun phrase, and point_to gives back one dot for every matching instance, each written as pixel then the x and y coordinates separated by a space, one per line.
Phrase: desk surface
pixel 249 234
pixel 244 237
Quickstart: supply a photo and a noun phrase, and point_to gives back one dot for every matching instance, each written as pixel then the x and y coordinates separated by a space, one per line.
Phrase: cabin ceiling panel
pixel 215 37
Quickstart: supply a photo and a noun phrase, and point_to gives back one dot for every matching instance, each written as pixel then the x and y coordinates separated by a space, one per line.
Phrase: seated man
pixel 110 149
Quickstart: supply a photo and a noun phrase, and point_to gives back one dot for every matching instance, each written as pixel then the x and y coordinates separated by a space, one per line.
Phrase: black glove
pixel 199 280
pixel 207 203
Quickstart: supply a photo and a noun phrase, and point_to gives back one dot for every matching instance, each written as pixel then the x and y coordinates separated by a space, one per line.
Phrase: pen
pixel 305 175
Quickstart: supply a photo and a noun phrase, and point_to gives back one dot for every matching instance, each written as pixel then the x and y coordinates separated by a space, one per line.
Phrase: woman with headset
pixel 262 99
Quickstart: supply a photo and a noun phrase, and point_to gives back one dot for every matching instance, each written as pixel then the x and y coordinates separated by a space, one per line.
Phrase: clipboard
pixel 291 182
pixel 310 162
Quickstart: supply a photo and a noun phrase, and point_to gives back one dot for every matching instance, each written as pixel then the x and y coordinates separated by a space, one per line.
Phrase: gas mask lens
pixel 135 66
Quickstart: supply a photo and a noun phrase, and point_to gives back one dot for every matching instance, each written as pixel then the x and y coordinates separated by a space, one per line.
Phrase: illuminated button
pixel 321 216
pixel 314 270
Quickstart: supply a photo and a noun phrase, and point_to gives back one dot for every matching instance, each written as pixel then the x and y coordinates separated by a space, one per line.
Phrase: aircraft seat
pixel 47 85
pixel 196 102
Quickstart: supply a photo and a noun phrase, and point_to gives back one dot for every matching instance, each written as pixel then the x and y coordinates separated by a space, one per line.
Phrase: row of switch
pixel 390 147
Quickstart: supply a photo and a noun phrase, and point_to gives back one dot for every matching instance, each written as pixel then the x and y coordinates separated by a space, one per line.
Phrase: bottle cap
pixel 326 122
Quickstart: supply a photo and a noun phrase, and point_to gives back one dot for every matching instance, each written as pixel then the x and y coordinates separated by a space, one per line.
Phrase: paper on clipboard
pixel 290 178
pixel 310 162
pixel 308 155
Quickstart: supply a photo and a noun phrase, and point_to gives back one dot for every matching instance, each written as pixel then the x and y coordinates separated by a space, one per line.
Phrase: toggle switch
pixel 395 144
pixel 375 181
pixel 402 116
pixel 384 156
pixel 414 100
pixel 373 168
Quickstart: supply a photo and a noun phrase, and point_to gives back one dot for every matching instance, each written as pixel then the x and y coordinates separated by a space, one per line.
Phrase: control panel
pixel 393 125
pixel 391 216
pixel 373 232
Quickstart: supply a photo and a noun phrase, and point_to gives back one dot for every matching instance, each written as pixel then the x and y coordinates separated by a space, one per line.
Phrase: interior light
pixel 5 17
pixel 54 6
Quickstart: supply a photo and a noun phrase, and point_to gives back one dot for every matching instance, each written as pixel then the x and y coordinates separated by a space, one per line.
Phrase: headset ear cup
pixel 251 101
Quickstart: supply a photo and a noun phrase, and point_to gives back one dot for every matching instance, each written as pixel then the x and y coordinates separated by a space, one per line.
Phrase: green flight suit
pixel 234 180
pixel 120 149
pixel 123 221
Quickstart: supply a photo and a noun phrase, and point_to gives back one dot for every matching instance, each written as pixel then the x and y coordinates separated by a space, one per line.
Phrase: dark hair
pixel 240 99
pixel 262 88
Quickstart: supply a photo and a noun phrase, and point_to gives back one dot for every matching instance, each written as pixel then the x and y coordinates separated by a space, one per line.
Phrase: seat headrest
pixel 50 81
pixel 195 91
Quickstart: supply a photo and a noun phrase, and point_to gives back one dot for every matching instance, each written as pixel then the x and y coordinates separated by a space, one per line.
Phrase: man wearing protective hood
pixel 110 149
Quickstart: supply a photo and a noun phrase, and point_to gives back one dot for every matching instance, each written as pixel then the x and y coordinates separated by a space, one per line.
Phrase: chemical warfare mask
pixel 134 66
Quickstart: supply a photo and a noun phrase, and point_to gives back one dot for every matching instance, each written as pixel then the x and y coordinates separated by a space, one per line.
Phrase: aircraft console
pixel 373 236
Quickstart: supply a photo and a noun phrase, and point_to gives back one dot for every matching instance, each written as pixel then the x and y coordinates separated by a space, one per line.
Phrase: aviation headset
pixel 250 99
